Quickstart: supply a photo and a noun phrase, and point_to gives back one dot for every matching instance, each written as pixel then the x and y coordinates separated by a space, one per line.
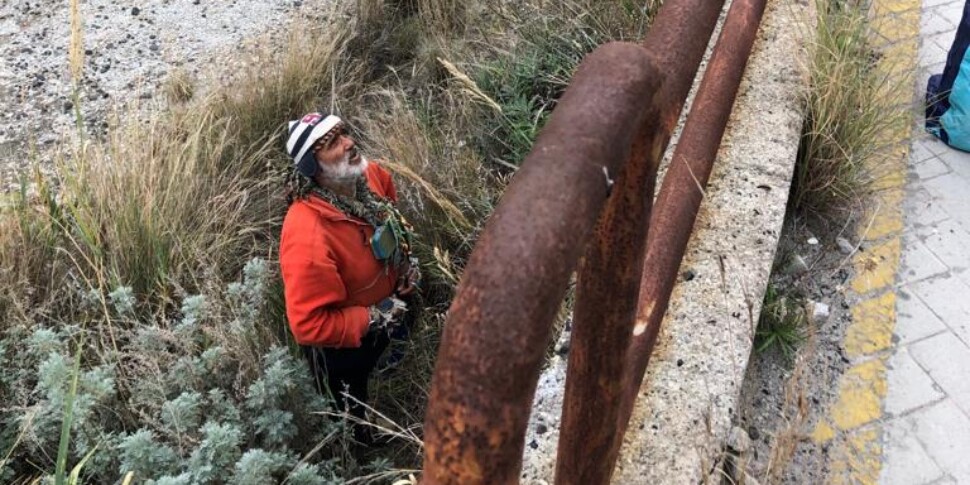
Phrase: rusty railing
pixel 586 189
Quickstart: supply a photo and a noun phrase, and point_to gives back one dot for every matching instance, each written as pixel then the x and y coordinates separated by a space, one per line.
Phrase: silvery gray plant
pixel 175 403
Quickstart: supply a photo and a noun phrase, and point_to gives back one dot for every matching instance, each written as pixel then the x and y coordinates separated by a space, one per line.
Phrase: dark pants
pixel 346 370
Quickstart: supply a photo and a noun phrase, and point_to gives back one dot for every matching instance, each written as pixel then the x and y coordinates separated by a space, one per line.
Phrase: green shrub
pixel 783 322
pixel 528 81
pixel 143 455
pixel 199 415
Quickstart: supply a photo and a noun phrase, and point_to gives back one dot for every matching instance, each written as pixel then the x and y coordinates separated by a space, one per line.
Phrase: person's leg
pixel 957 51
pixel 315 360
pixel 348 371
pixel 333 371
pixel 345 370
pixel 936 104
pixel 940 86
pixel 371 348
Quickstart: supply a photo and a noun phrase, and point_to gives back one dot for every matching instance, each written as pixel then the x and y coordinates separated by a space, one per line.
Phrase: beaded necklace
pixel 379 213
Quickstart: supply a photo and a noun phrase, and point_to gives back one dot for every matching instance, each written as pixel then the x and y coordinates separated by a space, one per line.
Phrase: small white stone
pixel 820 312
pixel 813 241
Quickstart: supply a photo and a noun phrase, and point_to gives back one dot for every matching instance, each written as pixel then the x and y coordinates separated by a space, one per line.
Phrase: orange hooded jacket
pixel 330 274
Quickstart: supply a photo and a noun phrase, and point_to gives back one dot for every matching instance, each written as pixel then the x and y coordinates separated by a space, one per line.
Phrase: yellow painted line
pixel 872 325
pixel 876 267
pixel 858 459
pixel 861 391
pixel 884 8
pixel 897 54
pixel 886 216
pixel 823 432
pixel 852 427
pixel 894 180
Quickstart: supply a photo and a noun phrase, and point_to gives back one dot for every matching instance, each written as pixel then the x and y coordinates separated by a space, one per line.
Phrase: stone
pixel 111 45
pixel 844 245
pixel 798 266
pixel 562 348
pixel 820 311
pixel 739 440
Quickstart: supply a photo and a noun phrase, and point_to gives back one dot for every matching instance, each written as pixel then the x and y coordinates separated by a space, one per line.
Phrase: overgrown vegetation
pixel 852 107
pixel 148 260
pixel 853 115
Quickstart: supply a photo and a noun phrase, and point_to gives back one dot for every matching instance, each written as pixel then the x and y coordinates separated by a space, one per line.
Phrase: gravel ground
pixel 782 397
pixel 130 47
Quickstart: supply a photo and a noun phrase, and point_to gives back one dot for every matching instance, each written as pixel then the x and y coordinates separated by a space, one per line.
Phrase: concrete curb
pixel 692 387
pixel 852 426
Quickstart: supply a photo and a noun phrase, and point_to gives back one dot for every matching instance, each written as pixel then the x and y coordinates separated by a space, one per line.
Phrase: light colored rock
pixel 820 312
pixel 797 266
pixel 128 56
pixel 844 245
pixel 738 440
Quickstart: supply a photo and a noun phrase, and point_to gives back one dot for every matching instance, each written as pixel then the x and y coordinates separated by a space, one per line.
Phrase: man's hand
pixel 410 280
pixel 386 314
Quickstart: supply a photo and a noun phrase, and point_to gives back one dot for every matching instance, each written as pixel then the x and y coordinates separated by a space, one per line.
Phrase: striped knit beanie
pixel 303 134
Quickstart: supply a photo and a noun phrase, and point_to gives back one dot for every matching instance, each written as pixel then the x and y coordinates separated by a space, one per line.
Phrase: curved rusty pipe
pixel 683 186
pixel 500 321
pixel 593 416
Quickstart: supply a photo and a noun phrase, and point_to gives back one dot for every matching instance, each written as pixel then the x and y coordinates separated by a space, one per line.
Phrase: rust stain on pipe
pixel 606 294
pixel 682 191
pixel 677 41
pixel 500 320
pixel 594 413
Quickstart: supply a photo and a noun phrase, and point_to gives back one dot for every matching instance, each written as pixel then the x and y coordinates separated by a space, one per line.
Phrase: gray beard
pixel 344 172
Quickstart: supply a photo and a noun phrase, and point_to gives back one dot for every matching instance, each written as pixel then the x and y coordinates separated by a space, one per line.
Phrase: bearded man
pixel 345 255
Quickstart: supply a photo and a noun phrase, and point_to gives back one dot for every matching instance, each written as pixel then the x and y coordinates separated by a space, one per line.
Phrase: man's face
pixel 337 154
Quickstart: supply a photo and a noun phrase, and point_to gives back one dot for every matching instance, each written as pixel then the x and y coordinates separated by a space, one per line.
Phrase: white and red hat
pixel 303 134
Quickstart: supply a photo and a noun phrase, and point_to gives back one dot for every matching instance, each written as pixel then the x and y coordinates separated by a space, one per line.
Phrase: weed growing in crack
pixel 782 322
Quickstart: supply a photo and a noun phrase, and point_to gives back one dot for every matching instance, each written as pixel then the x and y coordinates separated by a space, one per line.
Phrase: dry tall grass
pixel 851 109
pixel 175 206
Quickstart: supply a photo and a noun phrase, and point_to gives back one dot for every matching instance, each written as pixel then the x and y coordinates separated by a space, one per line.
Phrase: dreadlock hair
pixel 297 186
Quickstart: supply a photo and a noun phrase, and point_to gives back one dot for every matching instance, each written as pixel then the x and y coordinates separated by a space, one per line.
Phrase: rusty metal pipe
pixel 606 303
pixel 606 296
pixel 677 41
pixel 500 320
pixel 683 186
